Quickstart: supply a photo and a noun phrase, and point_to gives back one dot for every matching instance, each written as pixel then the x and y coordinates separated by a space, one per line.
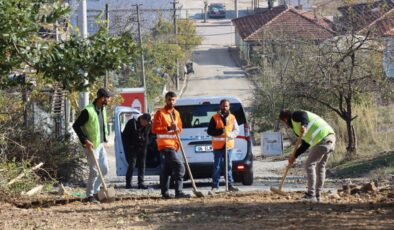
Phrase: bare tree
pixel 335 74
pixel 344 71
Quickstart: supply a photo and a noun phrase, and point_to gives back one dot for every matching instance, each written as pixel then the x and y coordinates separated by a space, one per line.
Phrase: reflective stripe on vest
pixel 317 129
pixel 165 136
pixel 218 142
pixel 166 139
pixel 92 127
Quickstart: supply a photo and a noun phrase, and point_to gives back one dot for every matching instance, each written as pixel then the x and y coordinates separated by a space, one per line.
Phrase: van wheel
pixel 247 178
pixel 237 178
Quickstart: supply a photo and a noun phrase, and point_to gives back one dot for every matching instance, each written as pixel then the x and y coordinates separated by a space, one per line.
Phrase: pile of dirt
pixel 251 210
pixel 6 196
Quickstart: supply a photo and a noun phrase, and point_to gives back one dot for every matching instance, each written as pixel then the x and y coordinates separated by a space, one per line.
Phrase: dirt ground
pixel 252 210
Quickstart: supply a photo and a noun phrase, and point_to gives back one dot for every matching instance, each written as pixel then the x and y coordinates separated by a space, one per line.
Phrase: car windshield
pixel 216 7
pixel 194 116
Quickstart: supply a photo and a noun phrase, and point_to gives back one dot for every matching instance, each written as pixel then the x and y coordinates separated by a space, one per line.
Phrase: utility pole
pixel 205 10
pixel 107 21
pixel 142 58
pixel 84 96
pixel 175 32
pixel 66 100
pixel 270 4
pixel 236 8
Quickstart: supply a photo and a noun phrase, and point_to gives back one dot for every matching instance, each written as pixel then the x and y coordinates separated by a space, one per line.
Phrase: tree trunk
pixel 351 147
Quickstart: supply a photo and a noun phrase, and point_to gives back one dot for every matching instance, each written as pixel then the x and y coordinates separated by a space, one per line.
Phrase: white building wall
pixel 242 46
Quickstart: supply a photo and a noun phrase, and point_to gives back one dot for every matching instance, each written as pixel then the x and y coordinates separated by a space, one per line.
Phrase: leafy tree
pixel 27 45
pixel 187 37
pixel 162 48
pixel 20 24
pixel 74 60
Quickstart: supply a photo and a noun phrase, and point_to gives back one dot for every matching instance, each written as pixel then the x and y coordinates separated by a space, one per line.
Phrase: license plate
pixel 203 148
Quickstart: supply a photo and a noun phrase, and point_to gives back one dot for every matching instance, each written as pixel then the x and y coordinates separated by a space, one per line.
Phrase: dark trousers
pixel 171 165
pixel 134 158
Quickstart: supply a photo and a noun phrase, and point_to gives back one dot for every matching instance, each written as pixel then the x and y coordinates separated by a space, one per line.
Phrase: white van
pixel 196 113
pixel 122 115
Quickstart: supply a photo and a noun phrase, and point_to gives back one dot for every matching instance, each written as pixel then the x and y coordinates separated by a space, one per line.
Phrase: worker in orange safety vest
pixel 223 126
pixel 166 122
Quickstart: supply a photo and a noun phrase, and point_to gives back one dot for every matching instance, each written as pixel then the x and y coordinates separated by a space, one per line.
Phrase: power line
pixel 175 32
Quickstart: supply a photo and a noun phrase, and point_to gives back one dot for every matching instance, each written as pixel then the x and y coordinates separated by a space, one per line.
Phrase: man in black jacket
pixel 135 142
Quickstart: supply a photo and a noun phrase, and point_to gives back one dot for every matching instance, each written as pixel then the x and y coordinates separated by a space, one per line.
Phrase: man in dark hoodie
pixel 135 137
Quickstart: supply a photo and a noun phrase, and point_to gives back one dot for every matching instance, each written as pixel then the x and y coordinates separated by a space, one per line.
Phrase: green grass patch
pixel 380 165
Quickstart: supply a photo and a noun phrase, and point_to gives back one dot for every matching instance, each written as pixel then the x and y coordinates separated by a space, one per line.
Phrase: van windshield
pixel 194 116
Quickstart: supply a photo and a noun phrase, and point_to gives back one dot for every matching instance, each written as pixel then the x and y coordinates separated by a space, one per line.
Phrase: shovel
pixel 226 162
pixel 105 194
pixel 279 190
pixel 195 191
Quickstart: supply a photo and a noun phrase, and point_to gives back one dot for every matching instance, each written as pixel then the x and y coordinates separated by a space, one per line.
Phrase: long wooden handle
pixel 298 142
pixel 99 171
pixel 284 176
pixel 184 157
pixel 226 162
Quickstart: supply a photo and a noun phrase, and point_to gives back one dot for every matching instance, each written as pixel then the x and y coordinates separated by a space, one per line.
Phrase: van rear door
pixel 122 115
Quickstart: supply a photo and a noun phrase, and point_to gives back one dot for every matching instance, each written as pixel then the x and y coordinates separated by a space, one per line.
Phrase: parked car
pixel 216 10
pixel 196 113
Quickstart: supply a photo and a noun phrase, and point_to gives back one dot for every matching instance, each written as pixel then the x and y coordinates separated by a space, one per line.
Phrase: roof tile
pixel 281 20
pixel 366 15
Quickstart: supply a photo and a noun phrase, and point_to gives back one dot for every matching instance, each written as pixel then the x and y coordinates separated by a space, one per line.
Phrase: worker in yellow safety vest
pixel 91 128
pixel 317 136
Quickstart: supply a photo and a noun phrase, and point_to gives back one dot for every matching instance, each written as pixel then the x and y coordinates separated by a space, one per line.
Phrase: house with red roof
pixel 280 22
pixel 374 19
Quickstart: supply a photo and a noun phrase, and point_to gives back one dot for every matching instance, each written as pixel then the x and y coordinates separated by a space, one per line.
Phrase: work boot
pixel 142 186
pixel 92 199
pixel 213 191
pixel 318 198
pixel 182 195
pixel 309 198
pixel 167 196
pixel 233 189
pixel 128 186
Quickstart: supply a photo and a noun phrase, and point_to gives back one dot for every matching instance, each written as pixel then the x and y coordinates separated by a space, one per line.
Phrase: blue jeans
pixel 94 182
pixel 218 167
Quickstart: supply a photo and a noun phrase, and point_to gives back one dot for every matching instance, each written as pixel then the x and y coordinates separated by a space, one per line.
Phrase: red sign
pixel 133 97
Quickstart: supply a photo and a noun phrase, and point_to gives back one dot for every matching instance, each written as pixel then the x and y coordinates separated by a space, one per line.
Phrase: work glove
pixel 172 127
pixel 292 159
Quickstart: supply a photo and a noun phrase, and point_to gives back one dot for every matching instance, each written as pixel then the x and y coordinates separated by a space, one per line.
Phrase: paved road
pixel 215 71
